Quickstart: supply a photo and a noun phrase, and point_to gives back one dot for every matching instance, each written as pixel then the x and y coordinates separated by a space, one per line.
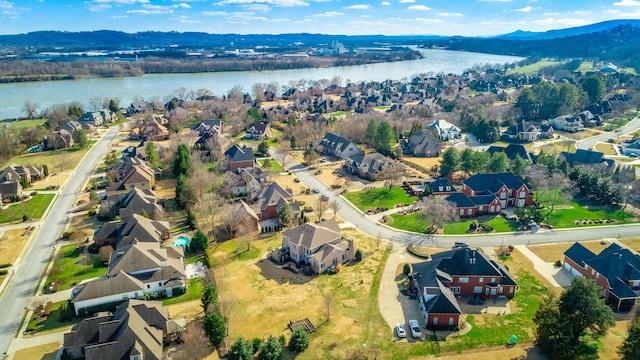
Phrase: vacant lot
pixel 558 146
pixel 57 160
pixel 56 180
pixel 11 245
pixel 633 243
pixel 273 297
pixel 606 149
pixel 166 188
pixel 424 161
pixel 34 209
pixel 379 198
pixel 553 252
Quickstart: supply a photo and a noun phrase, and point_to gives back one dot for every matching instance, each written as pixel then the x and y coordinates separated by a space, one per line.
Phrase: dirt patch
pixel 11 244
pixel 166 188
pixel 125 143
pixel 84 225
pixel 43 352
pixel 554 252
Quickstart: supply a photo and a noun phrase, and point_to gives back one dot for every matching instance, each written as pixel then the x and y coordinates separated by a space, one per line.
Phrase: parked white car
pixel 400 331
pixel 415 329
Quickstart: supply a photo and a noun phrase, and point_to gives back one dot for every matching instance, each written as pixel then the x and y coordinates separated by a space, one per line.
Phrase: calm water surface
pixel 47 93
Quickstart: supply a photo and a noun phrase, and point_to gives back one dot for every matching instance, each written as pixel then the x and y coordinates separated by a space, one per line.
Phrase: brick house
pixel 615 270
pixel 511 189
pixel 239 158
pixel 453 273
pixel 270 200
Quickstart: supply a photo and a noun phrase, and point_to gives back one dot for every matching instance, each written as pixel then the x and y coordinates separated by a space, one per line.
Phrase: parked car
pixel 400 331
pixel 461 244
pixel 415 329
pixel 316 190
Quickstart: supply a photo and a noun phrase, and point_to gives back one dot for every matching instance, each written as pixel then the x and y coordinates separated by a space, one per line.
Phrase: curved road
pixel 26 279
pixel 351 214
pixel 590 142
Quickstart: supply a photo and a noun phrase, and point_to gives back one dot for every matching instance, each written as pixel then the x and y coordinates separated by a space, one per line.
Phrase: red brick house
pixel 615 270
pixel 239 158
pixel 453 273
pixel 511 189
pixel 271 199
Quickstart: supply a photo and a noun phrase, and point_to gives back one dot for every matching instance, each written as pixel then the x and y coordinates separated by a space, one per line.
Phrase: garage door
pixel 571 270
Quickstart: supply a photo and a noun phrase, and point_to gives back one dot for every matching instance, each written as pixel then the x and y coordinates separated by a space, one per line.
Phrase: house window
pixel 435 321
pixel 492 208
pixel 450 321
pixel 521 194
pixel 455 289
pixel 493 280
pixel 481 280
pixel 125 296
pixel 135 295
pixel 511 290
pixel 148 286
pixel 500 289
pixel 159 284
pixel 468 211
pixel 503 195
pixel 477 289
pixel 461 211
pixel 463 280
pixel 344 257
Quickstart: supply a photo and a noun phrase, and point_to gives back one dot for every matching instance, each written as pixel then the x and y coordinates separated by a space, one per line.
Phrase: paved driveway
pixel 558 277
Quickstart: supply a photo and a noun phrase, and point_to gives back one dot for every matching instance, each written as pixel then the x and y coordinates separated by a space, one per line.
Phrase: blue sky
pixel 392 17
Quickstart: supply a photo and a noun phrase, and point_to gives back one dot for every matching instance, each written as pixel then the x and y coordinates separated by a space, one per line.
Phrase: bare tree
pixel 208 207
pixel 30 109
pixel 283 157
pixel 392 175
pixel 437 211
pixel 552 187
pixel 96 103
pixel 328 305
pixel 227 306
pixel 335 206
pixel 195 345
pixel 321 207
pixel 105 252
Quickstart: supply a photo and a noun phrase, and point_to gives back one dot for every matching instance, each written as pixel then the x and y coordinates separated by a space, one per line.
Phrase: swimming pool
pixel 182 241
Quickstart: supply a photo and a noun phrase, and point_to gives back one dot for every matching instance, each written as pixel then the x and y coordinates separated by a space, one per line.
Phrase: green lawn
pixel 274 166
pixel 499 224
pixel 72 266
pixel 338 113
pixel 193 293
pixel 23 124
pixel 379 198
pixel 411 222
pixel 533 68
pixel 34 208
pixel 563 218
pixel 51 322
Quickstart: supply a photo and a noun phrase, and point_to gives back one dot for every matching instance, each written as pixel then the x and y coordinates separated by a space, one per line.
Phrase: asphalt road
pixel 590 142
pixel 24 284
pixel 349 213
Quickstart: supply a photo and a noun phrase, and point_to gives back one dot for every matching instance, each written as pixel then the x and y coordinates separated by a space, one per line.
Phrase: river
pixel 160 86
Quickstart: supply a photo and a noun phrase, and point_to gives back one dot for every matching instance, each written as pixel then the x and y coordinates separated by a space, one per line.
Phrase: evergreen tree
pixel 214 327
pixel 371 132
pixel 286 214
pixel 416 127
pixel 263 148
pixel 45 170
pixel 182 161
pixel 113 105
pixel 152 154
pixel 385 138
pixel 466 160
pixel 241 349
pixel 209 296
pixel 199 242
pixel 299 340
pixel 271 349
pixel 518 165
pixel 449 162
pixel 594 87
pixel 80 138
pixel 630 348
pixel 499 162
pixel 293 142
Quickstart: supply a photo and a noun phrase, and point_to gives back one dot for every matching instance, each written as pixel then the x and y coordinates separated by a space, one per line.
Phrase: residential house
pixel 210 127
pixel 586 157
pixel 61 139
pixel 239 158
pixel 374 166
pixel 118 171
pixel 445 130
pixel 422 144
pixel 10 190
pixel 246 218
pixel 136 201
pixel 140 177
pixel 336 145
pixel 134 271
pixel 270 200
pixel 99 118
pixel 615 270
pixel 247 182
pixel 125 232
pixel 136 330
pixel 441 186
pixel 453 273
pixel 319 244
pixel 522 131
pixel 568 123
pixel 631 148
pixel 73 126
pixel 151 130
pixel 258 131
pixel 15 172
pixel 470 206
pixel 512 151
pixel 511 189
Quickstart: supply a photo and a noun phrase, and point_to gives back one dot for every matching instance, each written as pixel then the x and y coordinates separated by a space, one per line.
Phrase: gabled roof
pixel 493 182
pixel 335 142
pixel 237 153
pixel 141 256
pixel 137 227
pixel 137 200
pixel 512 150
pixel 466 261
pixel 9 174
pixel 444 303
pixel 313 235
pixel 257 127
pixel 441 183
pixel 461 200
pixel 120 284
pixel 587 157
pixel 579 254
pixel 483 199
pixel 272 195
pixel 371 162
pixel 207 124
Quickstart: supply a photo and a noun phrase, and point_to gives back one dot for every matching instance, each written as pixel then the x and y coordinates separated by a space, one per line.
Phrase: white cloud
pixel 98 7
pixel 284 3
pixel 551 14
pixel 124 2
pixel 627 3
pixel 524 9
pixel 448 14
pixel 259 7
pixel 495 0
pixel 430 21
pixel 385 3
pixel 150 11
pixel 358 7
pixel 184 6
pixel 186 20
pixel 419 7
pixel 406 1
pixel 119 16
pixel 329 14
pixel 215 13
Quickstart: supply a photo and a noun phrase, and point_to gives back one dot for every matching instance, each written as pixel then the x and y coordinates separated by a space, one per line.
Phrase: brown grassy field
pixel 53 179
pixel 633 243
pixel 166 188
pixel 558 146
pixel 11 244
pixel 272 297
pixel 606 149
pixel 42 352
pixel 84 226
pixel 58 161
pixel 424 161
pixel 553 252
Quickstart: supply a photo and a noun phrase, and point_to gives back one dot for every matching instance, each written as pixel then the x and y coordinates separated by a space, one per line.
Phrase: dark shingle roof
pixel 512 150
pixel 461 200
pixel 441 183
pixel 578 253
pixel 493 182
pixel 237 153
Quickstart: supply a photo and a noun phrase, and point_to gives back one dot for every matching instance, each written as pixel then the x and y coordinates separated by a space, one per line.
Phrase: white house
pixel 446 130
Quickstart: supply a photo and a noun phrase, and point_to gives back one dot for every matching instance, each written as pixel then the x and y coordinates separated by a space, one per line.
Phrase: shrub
pixel 5 265
pixel 557 263
pixel 4 272
pixel 296 180
pixel 255 344
pixel 25 218
pixel 93 212
pixel 319 172
pixel 34 193
pixel 299 340
pixel 406 269
pixel 307 191
pixel 67 234
pixel 359 255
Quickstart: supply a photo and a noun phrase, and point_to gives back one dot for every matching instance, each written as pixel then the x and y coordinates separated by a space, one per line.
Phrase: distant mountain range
pixel 560 33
